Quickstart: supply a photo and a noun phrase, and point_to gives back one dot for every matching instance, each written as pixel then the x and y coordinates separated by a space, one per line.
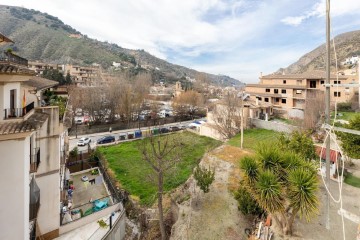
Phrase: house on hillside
pixel 288 93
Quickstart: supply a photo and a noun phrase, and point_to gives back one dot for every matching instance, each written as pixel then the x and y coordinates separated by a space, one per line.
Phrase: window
pixel 298 91
pixel 266 99
pixel 259 98
pixel 276 90
pixel 267 90
pixel 283 90
pixel 312 84
pixel 277 100
pixel 283 100
pixel 337 94
pixel 337 82
pixel 284 81
pixel 322 82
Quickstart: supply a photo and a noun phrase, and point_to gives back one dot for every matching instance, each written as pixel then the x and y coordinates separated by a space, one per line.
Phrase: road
pixel 95 136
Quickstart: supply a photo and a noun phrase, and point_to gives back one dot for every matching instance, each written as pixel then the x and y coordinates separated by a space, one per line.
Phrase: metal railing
pixel 35 160
pixel 33 210
pixel 18 112
pixel 9 57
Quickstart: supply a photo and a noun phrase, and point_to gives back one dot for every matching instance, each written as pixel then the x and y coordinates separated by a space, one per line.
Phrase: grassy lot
pixel 252 137
pixel 352 180
pixel 133 172
pixel 345 115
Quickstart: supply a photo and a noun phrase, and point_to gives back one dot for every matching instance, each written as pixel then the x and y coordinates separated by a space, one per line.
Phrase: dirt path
pixel 213 215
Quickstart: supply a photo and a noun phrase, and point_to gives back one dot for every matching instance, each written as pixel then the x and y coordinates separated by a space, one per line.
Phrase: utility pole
pixel 242 120
pixel 327 112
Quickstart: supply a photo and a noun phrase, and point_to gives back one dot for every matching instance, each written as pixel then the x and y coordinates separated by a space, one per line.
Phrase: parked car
pixel 163 130
pixel 174 128
pixel 106 139
pixel 83 141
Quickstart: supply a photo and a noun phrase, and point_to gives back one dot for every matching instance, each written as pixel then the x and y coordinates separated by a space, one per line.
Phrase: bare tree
pixel 314 109
pixel 227 114
pixel 162 154
pixel 187 103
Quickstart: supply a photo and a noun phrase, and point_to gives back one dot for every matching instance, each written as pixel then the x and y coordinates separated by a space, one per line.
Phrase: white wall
pixel 6 91
pixel 14 185
pixel 48 174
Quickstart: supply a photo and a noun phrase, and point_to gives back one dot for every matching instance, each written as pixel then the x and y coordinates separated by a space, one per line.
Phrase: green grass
pixel 133 172
pixel 352 180
pixel 252 137
pixel 345 115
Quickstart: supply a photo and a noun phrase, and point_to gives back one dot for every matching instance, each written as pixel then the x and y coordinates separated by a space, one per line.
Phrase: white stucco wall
pixel 6 90
pixel 48 174
pixel 14 185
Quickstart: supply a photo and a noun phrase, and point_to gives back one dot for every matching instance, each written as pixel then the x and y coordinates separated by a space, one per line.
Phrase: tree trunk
pixel 160 207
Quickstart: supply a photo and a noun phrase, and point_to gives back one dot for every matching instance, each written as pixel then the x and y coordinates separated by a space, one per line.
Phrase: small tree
pixel 162 154
pixel 227 114
pixel 350 143
pixel 282 183
pixel 298 142
pixel 68 79
pixel 204 177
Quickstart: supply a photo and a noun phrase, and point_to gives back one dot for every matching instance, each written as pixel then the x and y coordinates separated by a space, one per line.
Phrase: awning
pixel 334 155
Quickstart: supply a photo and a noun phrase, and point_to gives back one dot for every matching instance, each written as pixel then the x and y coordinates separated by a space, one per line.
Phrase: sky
pixel 238 38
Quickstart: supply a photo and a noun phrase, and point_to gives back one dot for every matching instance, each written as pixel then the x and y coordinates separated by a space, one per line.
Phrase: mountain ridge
pixel 40 36
pixel 347 44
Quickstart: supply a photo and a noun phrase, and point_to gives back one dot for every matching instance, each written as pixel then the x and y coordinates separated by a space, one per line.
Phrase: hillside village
pixel 128 150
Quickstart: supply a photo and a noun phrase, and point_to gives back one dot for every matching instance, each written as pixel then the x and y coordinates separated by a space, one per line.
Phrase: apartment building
pixel 40 67
pixel 288 93
pixel 30 146
pixel 84 76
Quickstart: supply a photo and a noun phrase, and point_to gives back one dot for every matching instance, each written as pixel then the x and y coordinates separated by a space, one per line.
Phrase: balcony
pixel 10 58
pixel 18 112
pixel 35 160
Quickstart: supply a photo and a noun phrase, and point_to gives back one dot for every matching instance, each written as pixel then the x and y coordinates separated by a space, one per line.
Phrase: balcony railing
pixel 18 112
pixel 35 160
pixel 9 57
pixel 33 210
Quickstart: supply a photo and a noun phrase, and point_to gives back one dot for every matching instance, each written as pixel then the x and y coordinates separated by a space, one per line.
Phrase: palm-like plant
pixel 282 183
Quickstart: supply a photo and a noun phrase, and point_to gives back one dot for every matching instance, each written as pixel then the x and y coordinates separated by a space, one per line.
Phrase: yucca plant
pixel 283 183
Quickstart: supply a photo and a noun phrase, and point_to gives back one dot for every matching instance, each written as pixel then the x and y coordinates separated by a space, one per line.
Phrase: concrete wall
pixel 14 185
pixel 48 174
pixel 271 125
pixel 118 230
pixel 88 219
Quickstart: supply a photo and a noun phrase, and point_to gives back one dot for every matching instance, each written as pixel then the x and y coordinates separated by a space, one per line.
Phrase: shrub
pixel 247 205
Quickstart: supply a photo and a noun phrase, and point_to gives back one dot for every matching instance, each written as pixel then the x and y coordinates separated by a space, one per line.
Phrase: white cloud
pixel 337 8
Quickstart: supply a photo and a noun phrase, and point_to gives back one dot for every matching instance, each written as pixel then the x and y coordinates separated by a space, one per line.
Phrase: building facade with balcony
pixel 30 154
pixel 288 93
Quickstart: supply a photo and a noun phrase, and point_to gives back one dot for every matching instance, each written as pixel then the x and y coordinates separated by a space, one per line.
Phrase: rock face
pixel 213 215
pixel 347 45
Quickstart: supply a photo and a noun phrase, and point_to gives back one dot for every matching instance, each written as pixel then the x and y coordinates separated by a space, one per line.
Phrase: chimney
pixel 261 74
pixel 283 73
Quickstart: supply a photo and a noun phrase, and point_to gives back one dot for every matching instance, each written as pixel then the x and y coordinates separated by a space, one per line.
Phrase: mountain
pixel 347 45
pixel 40 36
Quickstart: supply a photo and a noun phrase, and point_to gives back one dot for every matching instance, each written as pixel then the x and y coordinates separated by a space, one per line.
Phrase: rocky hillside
pixel 347 45
pixel 40 36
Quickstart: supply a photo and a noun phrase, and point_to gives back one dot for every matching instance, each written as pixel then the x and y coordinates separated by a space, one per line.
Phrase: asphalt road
pixel 95 136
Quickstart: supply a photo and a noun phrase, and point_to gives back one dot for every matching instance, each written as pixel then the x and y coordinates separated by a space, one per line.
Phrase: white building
pixel 30 153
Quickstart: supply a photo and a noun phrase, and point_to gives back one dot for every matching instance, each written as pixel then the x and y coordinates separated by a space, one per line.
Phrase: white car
pixel 83 141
